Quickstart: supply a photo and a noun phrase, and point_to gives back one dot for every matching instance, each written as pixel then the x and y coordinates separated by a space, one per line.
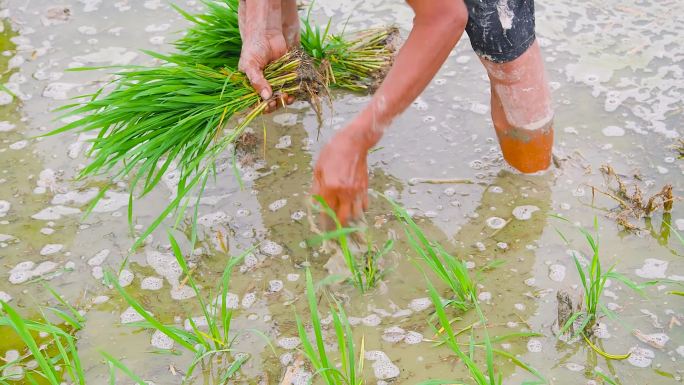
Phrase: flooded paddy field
pixel 618 87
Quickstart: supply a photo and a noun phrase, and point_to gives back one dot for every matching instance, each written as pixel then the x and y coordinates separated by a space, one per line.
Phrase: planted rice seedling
pixel 174 115
pixel 450 270
pixel 480 376
pixel 49 354
pixel 214 345
pixel 365 271
pixel 593 279
pixel 350 368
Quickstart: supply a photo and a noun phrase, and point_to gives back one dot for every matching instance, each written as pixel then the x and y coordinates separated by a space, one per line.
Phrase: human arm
pixel 341 174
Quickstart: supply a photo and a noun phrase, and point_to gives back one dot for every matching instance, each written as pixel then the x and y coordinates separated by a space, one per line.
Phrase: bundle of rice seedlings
pixel 175 114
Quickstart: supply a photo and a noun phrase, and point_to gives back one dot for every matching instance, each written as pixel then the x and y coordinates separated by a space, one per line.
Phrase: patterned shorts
pixel 500 30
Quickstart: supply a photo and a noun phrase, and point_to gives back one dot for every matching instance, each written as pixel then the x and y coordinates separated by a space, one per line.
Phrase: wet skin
pixel 521 108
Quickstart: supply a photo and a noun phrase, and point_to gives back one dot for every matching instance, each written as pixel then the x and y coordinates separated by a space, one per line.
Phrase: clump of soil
pixel 632 204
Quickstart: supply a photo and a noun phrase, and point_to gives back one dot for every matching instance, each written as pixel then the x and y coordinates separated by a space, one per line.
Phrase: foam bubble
pixel 289 343
pixel 680 350
pixel 51 248
pixel 161 341
pixel 18 145
pixel 151 283
pixel 298 215
pixel 496 223
pixel 292 277
pixel 613 131
pixel 534 345
pixel 271 248
pixel 4 208
pixel 213 219
pixel 55 212
pixel 371 320
pixel 98 258
pixel 5 297
pixel 284 142
pixel 200 322
pixel 413 338
pixel 277 205
pixel 125 278
pixel 130 315
pixel 275 285
pixel 394 334
pixel 485 296
pixel 419 304
pixel 652 268
pixel 180 293
pixel 286 119
pixel 641 357
pixel 557 273
pixel 523 213
pixel 100 299
pixel 248 300
pixel 13 373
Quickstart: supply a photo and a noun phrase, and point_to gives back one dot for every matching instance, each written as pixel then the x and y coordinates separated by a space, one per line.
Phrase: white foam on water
pixel 275 285
pixel 611 131
pixel 413 338
pixel 58 90
pixel 109 55
pixel 161 341
pixel 495 223
pixel 680 224
pixel 292 277
pixel 641 357
pixel 180 293
pixel 271 248
pixel 111 201
pixel 13 373
pixel 419 304
pixel 212 219
pixel 394 334
pixel 5 297
pixel 298 215
pixel 18 145
pixel 557 273
pixel 74 197
pixel 523 213
pixel 54 213
pixel 5 207
pixel 534 345
pixel 5 98
pixel 289 343
pixel 383 368
pixel 248 300
pixel 371 320
pixel 6 126
pixel 152 283
pixel 277 205
pixel 680 350
pixel 284 142
pixel 125 278
pixel 130 315
pixel 100 299
pixel 285 119
pixel 485 296
pixel 98 258
pixel 51 248
pixel 652 268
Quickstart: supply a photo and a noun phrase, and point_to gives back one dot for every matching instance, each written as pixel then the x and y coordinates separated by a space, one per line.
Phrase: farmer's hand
pixel 341 175
pixel 267 34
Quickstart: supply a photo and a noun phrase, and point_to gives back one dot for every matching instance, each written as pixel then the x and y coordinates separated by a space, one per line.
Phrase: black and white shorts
pixel 500 30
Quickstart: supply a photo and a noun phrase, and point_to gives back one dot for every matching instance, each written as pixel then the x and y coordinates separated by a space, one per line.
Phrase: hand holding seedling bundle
pixel 269 28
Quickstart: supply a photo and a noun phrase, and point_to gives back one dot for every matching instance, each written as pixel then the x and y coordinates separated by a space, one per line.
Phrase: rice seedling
pixel 217 341
pixel 480 376
pixel 365 271
pixel 350 369
pixel 593 279
pixel 173 115
pixel 49 353
pixel 450 270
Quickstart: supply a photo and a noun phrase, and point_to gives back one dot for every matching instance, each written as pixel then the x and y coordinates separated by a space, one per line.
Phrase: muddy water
pixel 617 83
